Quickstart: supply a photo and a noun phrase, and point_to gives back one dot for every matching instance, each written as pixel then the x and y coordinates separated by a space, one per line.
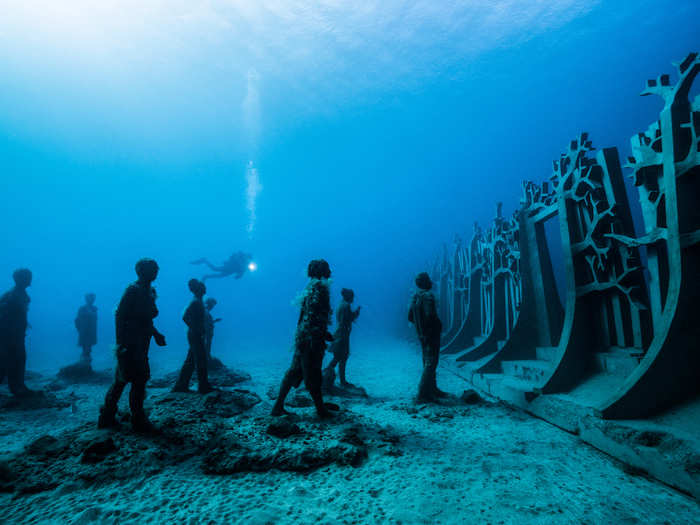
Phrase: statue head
pixel 146 269
pixel 197 287
pixel 319 269
pixel 423 281
pixel 210 303
pixel 90 298
pixel 348 294
pixel 22 277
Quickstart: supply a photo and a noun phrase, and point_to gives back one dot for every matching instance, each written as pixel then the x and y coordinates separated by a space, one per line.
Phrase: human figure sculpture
pixel 340 348
pixel 14 306
pixel 310 340
pixel 86 324
pixel 423 314
pixel 195 318
pixel 134 330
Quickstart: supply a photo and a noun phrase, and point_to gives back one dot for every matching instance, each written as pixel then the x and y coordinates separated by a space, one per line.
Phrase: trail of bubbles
pixel 251 120
pixel 253 188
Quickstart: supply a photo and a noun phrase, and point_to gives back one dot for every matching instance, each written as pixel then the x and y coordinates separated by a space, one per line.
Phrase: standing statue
pixel 134 327
pixel 86 324
pixel 195 318
pixel 423 314
pixel 14 306
pixel 237 264
pixel 210 324
pixel 340 348
pixel 310 340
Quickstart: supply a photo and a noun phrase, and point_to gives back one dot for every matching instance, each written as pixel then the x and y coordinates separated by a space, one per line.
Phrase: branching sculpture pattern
pixel 634 294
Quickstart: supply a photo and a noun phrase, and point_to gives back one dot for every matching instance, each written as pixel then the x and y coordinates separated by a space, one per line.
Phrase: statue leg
pixel 16 365
pixel 109 410
pixel 200 358
pixel 291 378
pixel 435 359
pixel 137 396
pixel 312 364
pixel 183 380
pixel 86 356
pixel 426 391
pixel 341 371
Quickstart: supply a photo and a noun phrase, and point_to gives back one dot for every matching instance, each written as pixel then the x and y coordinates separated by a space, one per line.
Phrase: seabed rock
pixel 80 374
pixel 297 398
pixel 291 443
pixel 98 449
pixel 220 403
pixel 331 388
pixel 219 376
pixel 471 397
pixel 283 428
pixel 36 400
pixel 350 391
pixel 30 375
pixel 215 430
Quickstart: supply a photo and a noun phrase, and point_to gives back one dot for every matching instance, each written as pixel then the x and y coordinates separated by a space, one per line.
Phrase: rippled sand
pixel 460 464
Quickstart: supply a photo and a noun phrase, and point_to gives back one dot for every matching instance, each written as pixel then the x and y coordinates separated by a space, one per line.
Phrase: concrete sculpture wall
pixel 625 340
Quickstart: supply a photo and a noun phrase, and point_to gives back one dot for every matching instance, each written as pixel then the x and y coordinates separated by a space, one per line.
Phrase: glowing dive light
pixel 252 266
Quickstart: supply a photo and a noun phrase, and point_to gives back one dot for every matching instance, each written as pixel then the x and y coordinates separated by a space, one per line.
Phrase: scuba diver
pixel 235 265
pixel 340 348
pixel 14 306
pixel 86 324
pixel 310 341
pixel 134 327
pixel 195 318
pixel 423 314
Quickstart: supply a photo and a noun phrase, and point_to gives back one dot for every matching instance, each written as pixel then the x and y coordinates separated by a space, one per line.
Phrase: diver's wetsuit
pixel 86 324
pixel 14 306
pixel 134 327
pixel 309 345
pixel 195 318
pixel 423 313
pixel 340 348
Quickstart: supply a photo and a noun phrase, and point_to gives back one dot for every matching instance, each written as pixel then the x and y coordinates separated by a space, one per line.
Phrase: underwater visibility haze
pixel 365 133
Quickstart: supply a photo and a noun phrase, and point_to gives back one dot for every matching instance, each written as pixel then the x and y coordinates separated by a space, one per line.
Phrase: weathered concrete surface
pixel 648 448
pixel 630 297
pixel 663 450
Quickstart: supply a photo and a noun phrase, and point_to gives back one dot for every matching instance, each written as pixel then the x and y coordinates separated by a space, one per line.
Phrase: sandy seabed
pixel 479 463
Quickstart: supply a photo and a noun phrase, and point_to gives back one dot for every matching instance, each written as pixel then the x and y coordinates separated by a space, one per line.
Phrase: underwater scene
pixel 403 262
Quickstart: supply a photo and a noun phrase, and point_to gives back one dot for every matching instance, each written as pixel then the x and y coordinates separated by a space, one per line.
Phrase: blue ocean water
pixel 367 134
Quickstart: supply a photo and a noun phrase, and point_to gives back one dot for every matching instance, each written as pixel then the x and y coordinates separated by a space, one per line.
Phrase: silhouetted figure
pixel 237 264
pixel 310 340
pixel 423 314
pixel 210 324
pixel 195 318
pixel 86 324
pixel 14 306
pixel 134 327
pixel 340 348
